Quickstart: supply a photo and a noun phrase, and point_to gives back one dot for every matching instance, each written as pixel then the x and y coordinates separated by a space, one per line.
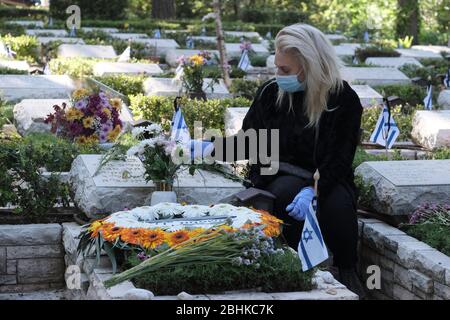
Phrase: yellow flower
pixel 93 139
pixel 81 140
pixel 153 238
pixel 107 112
pixel 94 228
pixel 74 114
pixel 177 237
pixel 80 94
pixel 197 60
pixel 116 103
pixel 88 122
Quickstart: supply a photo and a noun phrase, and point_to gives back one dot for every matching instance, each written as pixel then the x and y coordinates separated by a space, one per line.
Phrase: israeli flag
pixel 9 52
pixel 428 101
pixel 125 56
pixel 386 130
pixel 3 50
pixel 201 149
pixel 244 62
pixel 157 34
pixel 447 79
pixel 366 37
pixel 47 70
pixel 311 248
pixel 355 60
pixel 73 32
pixel 179 72
pixel 189 43
pixel 180 131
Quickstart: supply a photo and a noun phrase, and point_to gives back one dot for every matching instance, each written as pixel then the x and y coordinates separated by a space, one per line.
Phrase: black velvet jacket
pixel 337 139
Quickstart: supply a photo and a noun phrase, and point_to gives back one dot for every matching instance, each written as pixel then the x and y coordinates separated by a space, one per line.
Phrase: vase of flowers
pixel 161 157
pixel 194 74
pixel 92 117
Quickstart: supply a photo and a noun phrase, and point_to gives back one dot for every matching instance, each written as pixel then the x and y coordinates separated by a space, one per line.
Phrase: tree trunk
pixel 163 9
pixel 221 44
pixel 408 19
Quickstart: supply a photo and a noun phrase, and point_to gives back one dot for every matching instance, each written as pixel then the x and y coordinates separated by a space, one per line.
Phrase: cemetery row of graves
pixel 73 103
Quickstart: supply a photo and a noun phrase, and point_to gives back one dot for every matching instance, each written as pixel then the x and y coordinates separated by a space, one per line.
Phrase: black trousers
pixel 336 216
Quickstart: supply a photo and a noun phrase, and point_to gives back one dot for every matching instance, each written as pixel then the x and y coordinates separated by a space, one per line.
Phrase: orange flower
pixel 178 237
pixel 132 236
pixel 110 232
pixel 152 238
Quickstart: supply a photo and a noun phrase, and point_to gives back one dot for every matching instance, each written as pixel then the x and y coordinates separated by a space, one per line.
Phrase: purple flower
pixel 142 256
pixel 81 104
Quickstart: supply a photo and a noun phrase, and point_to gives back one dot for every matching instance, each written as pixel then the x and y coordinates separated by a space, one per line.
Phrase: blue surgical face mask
pixel 290 83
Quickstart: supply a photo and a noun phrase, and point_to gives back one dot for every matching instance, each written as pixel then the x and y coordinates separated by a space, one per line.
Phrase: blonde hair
pixel 320 64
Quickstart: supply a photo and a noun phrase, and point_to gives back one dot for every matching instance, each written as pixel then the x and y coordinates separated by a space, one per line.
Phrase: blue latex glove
pixel 201 149
pixel 298 208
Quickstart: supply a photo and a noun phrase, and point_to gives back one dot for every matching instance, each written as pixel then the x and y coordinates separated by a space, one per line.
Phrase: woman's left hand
pixel 300 206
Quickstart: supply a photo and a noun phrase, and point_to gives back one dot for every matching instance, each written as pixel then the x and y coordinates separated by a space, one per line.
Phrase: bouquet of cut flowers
pixel 93 118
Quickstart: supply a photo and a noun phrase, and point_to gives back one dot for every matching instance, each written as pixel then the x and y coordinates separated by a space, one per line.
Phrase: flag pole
pixel 316 178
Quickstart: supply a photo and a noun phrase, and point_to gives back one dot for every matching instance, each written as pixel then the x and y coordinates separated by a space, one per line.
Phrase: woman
pixel 307 97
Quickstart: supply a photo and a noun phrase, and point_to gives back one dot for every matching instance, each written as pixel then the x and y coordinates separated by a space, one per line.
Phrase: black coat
pixel 337 140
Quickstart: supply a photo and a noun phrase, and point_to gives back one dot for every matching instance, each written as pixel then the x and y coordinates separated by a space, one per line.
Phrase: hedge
pixel 160 110
pixel 26 47
pixel 98 9
pixel 127 85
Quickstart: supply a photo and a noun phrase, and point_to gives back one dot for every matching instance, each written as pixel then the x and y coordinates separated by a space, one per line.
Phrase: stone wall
pixel 31 257
pixel 410 269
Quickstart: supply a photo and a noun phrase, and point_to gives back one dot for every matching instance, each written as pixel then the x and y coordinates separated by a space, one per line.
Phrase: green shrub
pixel 6 113
pixel 11 29
pixel 440 154
pixel 125 84
pixel 410 93
pixel 6 70
pixel 432 68
pixel 244 88
pixel 26 47
pixel 375 51
pixel 435 235
pixel 160 110
pixel 277 273
pixel 258 61
pixel 99 9
pixel 75 67
pixel 28 13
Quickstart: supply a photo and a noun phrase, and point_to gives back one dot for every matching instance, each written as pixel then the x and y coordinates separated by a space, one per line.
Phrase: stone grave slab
pixel 233 120
pixel 346 49
pixel 418 54
pixel 393 62
pixel 270 64
pixel 444 99
pixel 121 184
pixel 86 51
pixel 173 55
pixel 28 23
pixel 247 34
pixel 398 187
pixel 161 45
pixel 336 37
pixel 18 87
pixel 374 76
pixel 47 32
pixel 167 87
pixel 107 30
pixel 46 40
pixel 15 64
pixel 368 96
pixel 434 49
pixel 208 39
pixel 431 129
pixel 29 114
pixel 110 68
pixel 234 50
pixel 126 36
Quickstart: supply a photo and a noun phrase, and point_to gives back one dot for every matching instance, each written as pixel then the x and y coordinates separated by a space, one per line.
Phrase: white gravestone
pixel 431 129
pixel 18 87
pixel 106 30
pixel 126 36
pixel 270 64
pixel 110 68
pixel 434 49
pixel 207 39
pixel 172 56
pixel 233 120
pixel 418 54
pixel 398 187
pixel 393 62
pixel 336 37
pixel 367 95
pixel 234 49
pixel 29 114
pixel 160 46
pixel 28 23
pixel 247 34
pixel 444 99
pixel 374 76
pixel 346 49
pixel 47 32
pixel 67 40
pixel 166 87
pixel 86 51
pixel 121 184
pixel 15 64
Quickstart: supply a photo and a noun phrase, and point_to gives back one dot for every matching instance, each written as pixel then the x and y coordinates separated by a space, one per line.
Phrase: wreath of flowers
pixel 145 227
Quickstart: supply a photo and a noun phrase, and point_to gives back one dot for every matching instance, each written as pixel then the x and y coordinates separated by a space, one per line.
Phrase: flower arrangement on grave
pixel 178 229
pixel 194 74
pixel 246 46
pixel 92 117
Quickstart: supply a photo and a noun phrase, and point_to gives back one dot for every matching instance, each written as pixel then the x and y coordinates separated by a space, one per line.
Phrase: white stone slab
pixel 15 64
pixel 29 114
pixel 166 87
pixel 46 40
pixel 444 99
pixel 233 120
pixel 109 68
pixel 368 96
pixel 393 62
pixel 86 51
pixel 336 37
pixel 346 49
pixel 28 23
pixel 47 32
pixel 398 187
pixel 126 36
pixel 434 49
pixel 121 184
pixel 173 55
pixel 247 34
pixel 204 39
pixel 18 87
pixel 106 30
pixel 234 49
pixel 159 46
pixel 374 76
pixel 418 54
pixel 270 64
pixel 431 129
